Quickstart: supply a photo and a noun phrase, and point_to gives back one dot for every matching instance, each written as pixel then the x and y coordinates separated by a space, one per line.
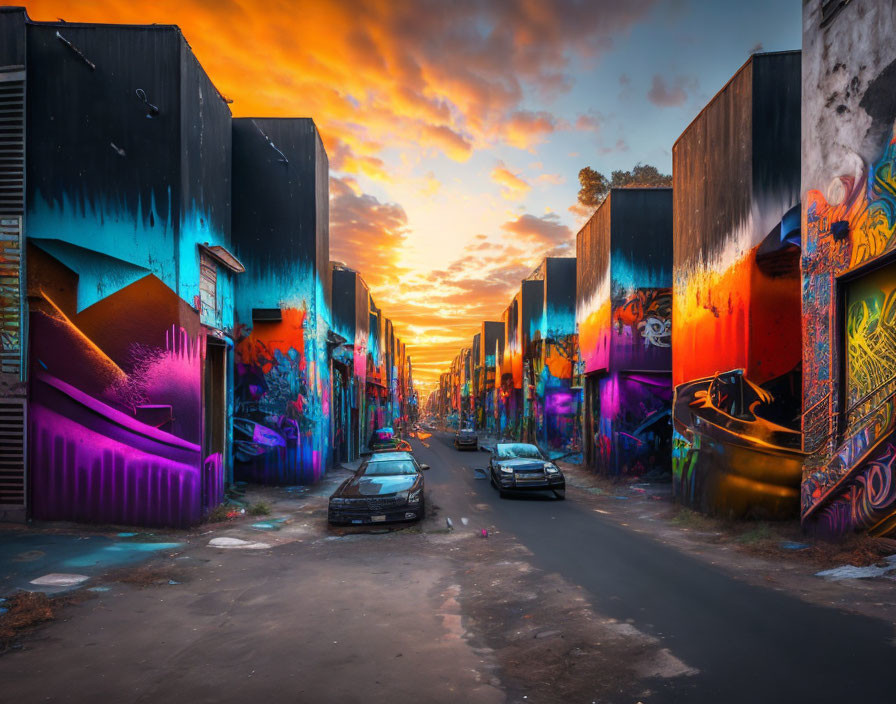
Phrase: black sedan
pixel 387 487
pixel 466 440
pixel 517 466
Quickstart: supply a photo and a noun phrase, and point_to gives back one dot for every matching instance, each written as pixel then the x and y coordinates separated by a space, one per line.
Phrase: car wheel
pixel 561 494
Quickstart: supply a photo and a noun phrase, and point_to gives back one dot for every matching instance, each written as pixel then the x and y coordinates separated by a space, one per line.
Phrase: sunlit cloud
pixel 525 129
pixel 396 83
pixel 365 234
pixel 512 186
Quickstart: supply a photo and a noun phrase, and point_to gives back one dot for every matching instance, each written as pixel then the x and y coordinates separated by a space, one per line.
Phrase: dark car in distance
pixel 466 440
pixel 385 440
pixel 517 466
pixel 387 487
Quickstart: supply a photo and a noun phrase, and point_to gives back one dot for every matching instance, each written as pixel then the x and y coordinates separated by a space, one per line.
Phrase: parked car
pixel 517 466
pixel 466 439
pixel 396 445
pixel 387 487
pixel 385 440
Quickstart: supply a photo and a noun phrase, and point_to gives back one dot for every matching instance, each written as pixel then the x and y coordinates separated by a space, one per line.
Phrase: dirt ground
pixel 308 611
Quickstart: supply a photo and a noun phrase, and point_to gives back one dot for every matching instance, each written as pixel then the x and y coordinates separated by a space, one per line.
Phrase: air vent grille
pixel 12 452
pixel 12 142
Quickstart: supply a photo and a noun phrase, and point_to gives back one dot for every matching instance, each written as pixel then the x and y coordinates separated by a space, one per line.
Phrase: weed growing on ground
pixel 757 533
pixel 261 508
pixel 218 514
pixel 688 518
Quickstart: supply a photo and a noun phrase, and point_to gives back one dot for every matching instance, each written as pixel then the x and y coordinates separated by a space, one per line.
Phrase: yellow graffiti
pixel 870 344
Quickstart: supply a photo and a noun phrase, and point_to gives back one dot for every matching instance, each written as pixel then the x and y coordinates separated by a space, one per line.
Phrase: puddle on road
pixel 272 524
pixel 118 554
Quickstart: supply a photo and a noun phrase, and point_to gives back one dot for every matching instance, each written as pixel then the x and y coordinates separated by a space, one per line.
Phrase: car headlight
pixel 337 501
pixel 414 496
pixel 551 469
pixel 506 470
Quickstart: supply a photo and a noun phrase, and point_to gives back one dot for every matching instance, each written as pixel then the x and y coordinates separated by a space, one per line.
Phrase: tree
pixel 596 186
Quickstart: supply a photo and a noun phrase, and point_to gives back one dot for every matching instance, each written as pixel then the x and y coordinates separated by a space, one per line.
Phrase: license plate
pixel 377 519
pixel 357 520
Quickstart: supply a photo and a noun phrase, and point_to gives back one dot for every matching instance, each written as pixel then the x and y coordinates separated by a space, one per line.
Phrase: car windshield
pixel 466 432
pixel 507 451
pixel 389 468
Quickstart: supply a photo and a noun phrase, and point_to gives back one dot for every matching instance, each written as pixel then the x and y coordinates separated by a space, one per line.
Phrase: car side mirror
pixel 424 466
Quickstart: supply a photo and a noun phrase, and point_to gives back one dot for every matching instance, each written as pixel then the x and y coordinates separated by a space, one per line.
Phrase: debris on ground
pixel 237 544
pixel 854 572
pixel 24 611
pixel 58 579
pixel 791 545
pixel 152 575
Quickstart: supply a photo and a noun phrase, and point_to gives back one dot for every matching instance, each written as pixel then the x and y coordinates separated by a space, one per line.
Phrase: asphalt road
pixel 749 644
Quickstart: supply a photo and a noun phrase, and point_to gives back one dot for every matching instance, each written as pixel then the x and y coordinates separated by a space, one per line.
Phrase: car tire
pixel 561 494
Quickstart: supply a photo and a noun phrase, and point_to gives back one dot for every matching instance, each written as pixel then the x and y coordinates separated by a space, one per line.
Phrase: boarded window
pixel 208 289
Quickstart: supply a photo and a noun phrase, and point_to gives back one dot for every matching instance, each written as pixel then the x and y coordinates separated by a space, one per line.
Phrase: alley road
pixel 749 644
pixel 561 603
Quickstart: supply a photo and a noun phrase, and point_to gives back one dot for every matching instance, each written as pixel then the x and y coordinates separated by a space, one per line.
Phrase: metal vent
pixel 12 142
pixel 12 453
pixel 12 203
pixel 10 295
pixel 266 315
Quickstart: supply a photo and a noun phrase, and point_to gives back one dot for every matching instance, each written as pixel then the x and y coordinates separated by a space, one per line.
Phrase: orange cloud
pixel 512 186
pixel 408 73
pixel 366 234
pixel 386 78
pixel 525 129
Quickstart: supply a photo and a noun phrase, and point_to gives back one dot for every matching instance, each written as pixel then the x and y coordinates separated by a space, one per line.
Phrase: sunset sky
pixel 455 130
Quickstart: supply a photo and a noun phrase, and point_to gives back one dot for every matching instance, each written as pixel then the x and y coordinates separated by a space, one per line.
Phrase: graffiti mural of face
pixel 656 331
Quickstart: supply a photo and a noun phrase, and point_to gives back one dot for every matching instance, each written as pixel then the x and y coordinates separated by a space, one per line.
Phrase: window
pixel 208 289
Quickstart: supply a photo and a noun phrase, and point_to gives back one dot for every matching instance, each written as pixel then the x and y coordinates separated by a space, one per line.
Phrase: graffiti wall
pixel 849 271
pixel 735 305
pixel 511 370
pixel 128 409
pixel 491 350
pixel 552 358
pixel 593 290
pixel 282 377
pixel 351 320
pixel 625 311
